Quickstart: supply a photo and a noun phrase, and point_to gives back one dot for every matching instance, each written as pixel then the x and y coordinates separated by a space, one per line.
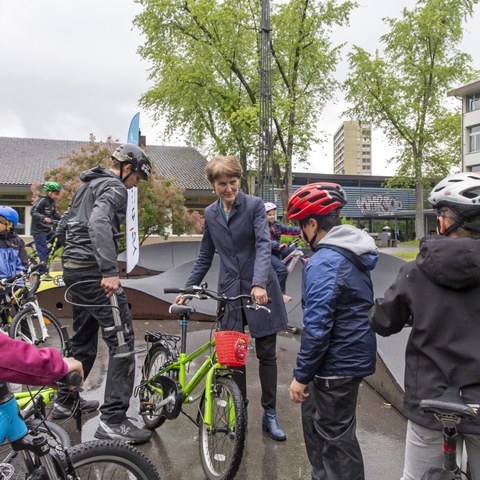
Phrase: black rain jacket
pixel 440 294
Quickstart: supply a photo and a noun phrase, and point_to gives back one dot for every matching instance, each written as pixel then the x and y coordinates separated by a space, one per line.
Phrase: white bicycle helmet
pixel 461 193
pixel 270 206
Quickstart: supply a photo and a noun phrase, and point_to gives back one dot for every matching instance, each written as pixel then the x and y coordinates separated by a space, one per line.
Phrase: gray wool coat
pixel 243 245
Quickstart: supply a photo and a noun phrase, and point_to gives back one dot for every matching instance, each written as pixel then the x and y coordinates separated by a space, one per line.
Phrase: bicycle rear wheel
pixel 155 360
pixel 222 444
pixel 111 460
pixel 27 327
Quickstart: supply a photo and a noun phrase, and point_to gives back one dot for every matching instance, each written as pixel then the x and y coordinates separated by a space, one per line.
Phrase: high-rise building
pixel 352 148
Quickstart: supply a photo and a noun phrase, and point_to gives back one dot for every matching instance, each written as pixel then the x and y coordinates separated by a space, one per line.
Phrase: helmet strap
pixel 121 173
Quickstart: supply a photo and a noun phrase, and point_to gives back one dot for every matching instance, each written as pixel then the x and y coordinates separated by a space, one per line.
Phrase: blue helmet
pixel 10 214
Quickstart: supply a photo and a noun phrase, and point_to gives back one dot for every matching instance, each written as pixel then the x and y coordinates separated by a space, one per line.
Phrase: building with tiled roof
pixel 24 161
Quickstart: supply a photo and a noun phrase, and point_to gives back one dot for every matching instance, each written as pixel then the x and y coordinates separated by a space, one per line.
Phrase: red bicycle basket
pixel 232 347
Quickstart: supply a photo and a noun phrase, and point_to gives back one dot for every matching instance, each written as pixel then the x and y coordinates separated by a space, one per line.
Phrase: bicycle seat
pixel 181 309
pixel 449 403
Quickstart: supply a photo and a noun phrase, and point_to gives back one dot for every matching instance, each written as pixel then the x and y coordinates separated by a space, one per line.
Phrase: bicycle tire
pixel 155 360
pixel 437 474
pixel 221 448
pixel 26 319
pixel 56 434
pixel 113 459
pixel 33 281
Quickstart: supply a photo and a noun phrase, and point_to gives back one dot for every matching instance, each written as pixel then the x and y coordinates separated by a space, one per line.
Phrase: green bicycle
pixel 164 388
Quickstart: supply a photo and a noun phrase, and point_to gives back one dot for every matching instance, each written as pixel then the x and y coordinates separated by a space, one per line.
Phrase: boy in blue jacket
pixel 338 347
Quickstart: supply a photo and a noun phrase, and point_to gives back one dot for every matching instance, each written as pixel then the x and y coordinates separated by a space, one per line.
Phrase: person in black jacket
pixel 90 271
pixel 438 294
pixel 43 215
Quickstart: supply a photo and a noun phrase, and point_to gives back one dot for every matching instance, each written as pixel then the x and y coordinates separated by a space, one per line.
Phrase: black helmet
pixel 129 153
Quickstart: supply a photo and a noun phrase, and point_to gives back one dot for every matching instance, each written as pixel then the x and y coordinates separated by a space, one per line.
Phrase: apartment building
pixel 469 94
pixel 352 148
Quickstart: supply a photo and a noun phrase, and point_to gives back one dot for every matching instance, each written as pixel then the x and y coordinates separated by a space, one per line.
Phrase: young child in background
pixel 279 250
pixel 13 255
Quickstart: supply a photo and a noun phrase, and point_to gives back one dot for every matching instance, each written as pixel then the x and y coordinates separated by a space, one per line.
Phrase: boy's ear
pixel 442 225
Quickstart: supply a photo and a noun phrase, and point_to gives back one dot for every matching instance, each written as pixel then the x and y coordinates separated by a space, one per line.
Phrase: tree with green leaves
pixel 403 90
pixel 161 204
pixel 204 57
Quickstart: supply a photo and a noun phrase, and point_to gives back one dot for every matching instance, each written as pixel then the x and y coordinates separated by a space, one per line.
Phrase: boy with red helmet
pixel 338 347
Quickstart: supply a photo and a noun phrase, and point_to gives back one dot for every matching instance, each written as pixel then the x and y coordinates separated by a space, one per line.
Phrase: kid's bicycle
pixel 450 410
pixel 34 263
pixel 164 388
pixel 30 322
pixel 91 460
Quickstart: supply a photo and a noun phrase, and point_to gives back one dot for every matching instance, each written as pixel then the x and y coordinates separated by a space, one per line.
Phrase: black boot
pixel 270 425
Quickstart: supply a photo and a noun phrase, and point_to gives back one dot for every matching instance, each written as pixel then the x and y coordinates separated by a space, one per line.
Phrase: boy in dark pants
pixel 43 214
pixel 338 347
pixel 90 271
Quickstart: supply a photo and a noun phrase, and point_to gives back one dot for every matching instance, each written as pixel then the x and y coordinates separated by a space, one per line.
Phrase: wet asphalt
pixel 174 447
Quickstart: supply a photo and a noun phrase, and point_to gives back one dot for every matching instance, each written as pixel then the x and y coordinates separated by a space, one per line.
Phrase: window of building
pixel 473 102
pixel 474 135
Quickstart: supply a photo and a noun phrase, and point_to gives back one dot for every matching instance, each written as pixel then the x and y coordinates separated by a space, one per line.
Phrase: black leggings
pixel 266 350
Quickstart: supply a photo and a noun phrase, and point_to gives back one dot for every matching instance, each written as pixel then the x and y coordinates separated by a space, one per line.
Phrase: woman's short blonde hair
pixel 220 165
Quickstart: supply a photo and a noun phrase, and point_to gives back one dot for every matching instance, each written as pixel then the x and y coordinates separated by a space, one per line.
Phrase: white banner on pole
pixel 132 229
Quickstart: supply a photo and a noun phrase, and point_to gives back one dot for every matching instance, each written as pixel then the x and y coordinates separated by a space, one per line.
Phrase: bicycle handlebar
pixel 72 379
pixel 22 274
pixel 201 293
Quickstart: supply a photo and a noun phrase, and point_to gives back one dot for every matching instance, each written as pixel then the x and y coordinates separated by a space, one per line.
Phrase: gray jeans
pixel 424 449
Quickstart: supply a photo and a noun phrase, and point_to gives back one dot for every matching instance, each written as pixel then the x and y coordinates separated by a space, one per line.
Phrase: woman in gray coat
pixel 236 228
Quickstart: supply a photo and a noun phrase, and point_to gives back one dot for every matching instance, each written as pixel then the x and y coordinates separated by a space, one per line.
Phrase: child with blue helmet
pixel 13 256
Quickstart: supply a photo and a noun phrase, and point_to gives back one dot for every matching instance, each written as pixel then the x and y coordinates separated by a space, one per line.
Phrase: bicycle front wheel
pixel 111 460
pixel 43 332
pixel 222 444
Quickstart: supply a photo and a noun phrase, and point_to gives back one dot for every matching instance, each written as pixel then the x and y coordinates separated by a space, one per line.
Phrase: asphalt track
pixel 174 447
pixel 175 260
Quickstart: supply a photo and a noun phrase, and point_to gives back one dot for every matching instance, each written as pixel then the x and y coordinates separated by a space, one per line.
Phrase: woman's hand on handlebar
pixel 259 294
pixel 181 300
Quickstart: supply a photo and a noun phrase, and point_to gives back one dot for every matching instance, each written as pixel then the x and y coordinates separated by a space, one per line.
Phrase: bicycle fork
pixel 37 312
pixel 210 398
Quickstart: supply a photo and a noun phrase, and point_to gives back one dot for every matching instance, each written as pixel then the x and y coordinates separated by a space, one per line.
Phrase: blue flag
pixel 134 130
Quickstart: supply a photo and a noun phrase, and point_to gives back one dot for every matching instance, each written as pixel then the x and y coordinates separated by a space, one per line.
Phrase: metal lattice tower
pixel 265 146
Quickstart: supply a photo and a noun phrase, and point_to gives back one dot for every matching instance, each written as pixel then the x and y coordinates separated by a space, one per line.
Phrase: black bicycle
pixel 35 456
pixel 450 410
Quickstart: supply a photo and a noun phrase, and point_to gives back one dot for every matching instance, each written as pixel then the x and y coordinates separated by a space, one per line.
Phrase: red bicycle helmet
pixel 320 198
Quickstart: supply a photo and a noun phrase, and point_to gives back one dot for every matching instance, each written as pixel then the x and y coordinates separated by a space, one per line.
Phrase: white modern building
pixel 469 94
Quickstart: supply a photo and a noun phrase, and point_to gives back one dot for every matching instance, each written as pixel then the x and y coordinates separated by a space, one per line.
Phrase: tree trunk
pixel 419 214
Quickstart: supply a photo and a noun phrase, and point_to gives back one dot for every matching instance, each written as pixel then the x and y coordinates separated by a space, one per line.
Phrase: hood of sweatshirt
pixel 451 262
pixel 97 172
pixel 350 238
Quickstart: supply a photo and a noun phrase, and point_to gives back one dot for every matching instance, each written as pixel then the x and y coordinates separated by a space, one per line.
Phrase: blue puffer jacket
pixel 337 340
pixel 12 253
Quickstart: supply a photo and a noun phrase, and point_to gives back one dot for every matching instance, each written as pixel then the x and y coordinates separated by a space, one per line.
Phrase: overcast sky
pixel 70 68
